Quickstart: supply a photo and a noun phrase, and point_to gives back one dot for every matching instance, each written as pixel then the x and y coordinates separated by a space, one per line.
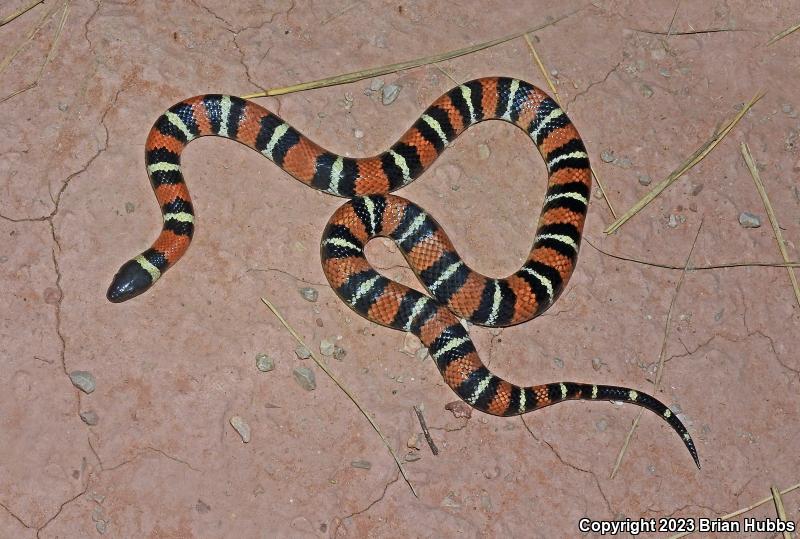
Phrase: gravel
pixel 326 348
pixel 362 464
pixel 302 352
pixel 305 378
pixel 749 220
pixel 83 380
pixel 264 363
pixel 309 294
pixel 241 426
pixel 389 93
pixel 90 417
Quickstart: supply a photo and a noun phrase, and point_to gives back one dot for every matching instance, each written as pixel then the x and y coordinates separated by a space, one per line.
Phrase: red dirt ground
pixel 173 366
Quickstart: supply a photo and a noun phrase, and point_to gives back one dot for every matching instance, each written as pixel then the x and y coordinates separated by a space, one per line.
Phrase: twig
pixel 744 510
pixel 771 213
pixel 662 355
pixel 689 32
pixel 781 35
pixel 339 13
pixel 392 68
pixel 776 497
pixel 347 392
pixel 425 431
pixel 672 21
pixel 558 100
pixel 7 19
pixel 695 158
pixel 790 264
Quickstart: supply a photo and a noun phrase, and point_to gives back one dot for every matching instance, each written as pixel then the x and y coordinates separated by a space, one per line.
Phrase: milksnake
pixel 457 291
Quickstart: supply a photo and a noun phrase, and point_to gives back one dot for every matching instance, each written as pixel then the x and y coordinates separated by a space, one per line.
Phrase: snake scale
pixel 455 290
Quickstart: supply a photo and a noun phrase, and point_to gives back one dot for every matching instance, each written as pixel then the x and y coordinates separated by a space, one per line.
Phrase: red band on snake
pixel 457 291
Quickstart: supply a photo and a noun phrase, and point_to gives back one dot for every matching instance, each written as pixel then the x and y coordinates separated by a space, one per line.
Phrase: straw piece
pixel 31 34
pixel 347 392
pixel 781 35
pixel 7 19
pixel 401 66
pixel 776 497
pixel 772 218
pixel 695 158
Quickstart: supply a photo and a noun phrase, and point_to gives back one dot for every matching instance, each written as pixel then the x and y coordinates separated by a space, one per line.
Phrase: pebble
pixel 3 259
pixel 202 507
pixel 63 107
pixel 624 162
pixel 90 417
pixel 326 347
pixel 414 441
pixel 601 425
pixel 644 179
pixel 358 133
pixel 664 72
pixel 673 221
pixel 389 93
pixel 302 352
pixel 412 456
pixel 101 526
pixel 83 380
pixel 264 363
pixel 607 156
pixel 362 464
pixel 597 363
pixel 305 378
pixel 241 426
pixel 484 151
pixel 749 220
pixel 339 352
pixel 309 294
pixel 558 362
pixel 459 409
pixel 376 84
pixel 421 353
pixel 647 90
pixel 451 501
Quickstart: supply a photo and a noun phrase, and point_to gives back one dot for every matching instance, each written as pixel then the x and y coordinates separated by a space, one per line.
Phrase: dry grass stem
pixel 557 98
pixel 347 392
pixel 662 355
pixel 738 512
pixel 695 158
pixel 8 18
pixel 401 66
pixel 776 498
pixel 781 35
pixel 748 158
pixel 790 264
pixel 31 34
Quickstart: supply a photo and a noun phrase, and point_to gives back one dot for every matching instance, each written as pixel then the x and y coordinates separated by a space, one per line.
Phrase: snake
pixel 455 291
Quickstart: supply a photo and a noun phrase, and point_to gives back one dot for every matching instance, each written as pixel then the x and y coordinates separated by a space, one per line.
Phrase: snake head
pixel 130 281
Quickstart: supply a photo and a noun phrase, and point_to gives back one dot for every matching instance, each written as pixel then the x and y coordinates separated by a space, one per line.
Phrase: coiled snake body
pixel 457 290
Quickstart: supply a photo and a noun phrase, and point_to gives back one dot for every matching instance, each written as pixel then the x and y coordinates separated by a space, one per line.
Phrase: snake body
pixel 457 291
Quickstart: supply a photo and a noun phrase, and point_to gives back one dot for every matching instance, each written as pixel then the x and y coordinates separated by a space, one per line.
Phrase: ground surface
pixel 173 366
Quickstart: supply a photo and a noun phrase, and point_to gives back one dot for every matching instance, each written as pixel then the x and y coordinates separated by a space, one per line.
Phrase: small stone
pixel 644 179
pixel 421 353
pixel 749 220
pixel 241 426
pixel 459 409
pixel 264 363
pixel 358 133
pixel 52 295
pixel 607 156
pixel 83 380
pixel 597 363
pixel 389 93
pixel 305 378
pixel 90 417
pixel 302 352
pixel 339 352
pixel 651 468
pixel 202 507
pixel 624 162
pixel 412 456
pixel 3 259
pixel 101 526
pixel 484 151
pixel 451 501
pixel 326 347
pixel 664 72
pixel 97 514
pixel 63 107
pixel 696 189
pixel 319 322
pixel 554 72
pixel 361 464
pixel 672 222
pixel 376 84
pixel 647 90
pixel 558 362
pixel 786 108
pixel 130 207
pixel 601 425
pixel 486 501
pixel 309 294
pixel 414 441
